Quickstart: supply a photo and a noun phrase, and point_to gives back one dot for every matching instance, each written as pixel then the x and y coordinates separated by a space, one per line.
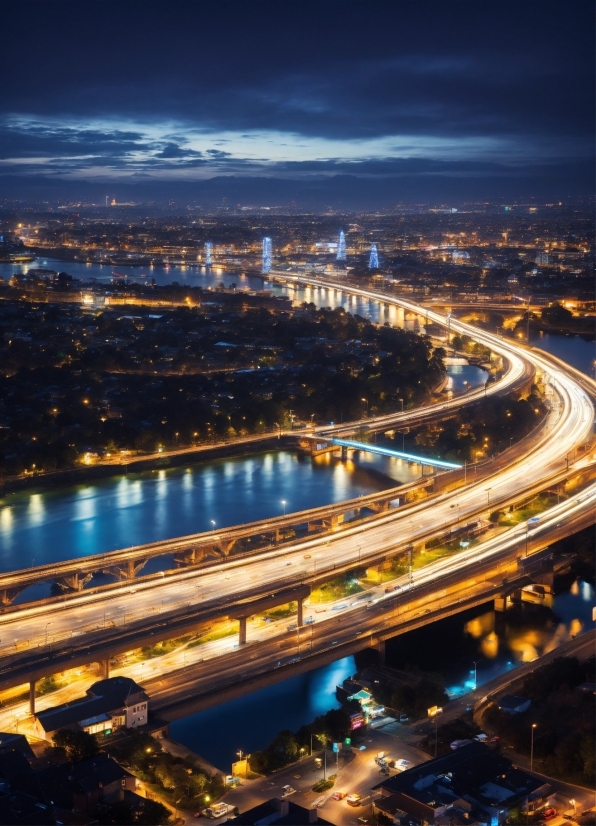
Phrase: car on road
pixel 354 799
pixel 338 795
pixel 216 811
pixel 286 791
pixel 364 819
pixel 402 765
pixel 547 814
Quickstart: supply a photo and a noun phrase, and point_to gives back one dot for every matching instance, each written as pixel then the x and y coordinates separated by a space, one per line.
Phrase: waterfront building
pixel 117 702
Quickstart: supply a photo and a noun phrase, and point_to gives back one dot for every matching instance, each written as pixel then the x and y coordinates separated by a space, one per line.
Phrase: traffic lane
pixel 311 627
pixel 458 564
pixel 175 593
pixel 404 514
pixel 463 503
pixel 238 576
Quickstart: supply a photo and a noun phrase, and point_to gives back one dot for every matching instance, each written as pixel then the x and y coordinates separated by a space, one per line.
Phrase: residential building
pixel 474 784
pixel 279 812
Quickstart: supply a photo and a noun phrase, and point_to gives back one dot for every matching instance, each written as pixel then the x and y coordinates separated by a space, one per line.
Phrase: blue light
pixel 266 254
pixel 341 247
pixel 383 451
pixel 373 263
pixel 208 255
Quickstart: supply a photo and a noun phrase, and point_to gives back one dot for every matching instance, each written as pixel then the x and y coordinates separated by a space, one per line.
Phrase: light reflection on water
pixel 80 520
pixel 503 641
pixel 252 721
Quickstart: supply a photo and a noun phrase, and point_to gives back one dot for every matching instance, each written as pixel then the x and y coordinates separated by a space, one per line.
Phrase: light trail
pixel 387 533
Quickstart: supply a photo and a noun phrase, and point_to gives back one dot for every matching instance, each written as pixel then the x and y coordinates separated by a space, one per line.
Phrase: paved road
pixel 88 616
pixel 357 774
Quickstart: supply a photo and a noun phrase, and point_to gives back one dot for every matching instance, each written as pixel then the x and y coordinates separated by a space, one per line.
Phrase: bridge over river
pixel 96 624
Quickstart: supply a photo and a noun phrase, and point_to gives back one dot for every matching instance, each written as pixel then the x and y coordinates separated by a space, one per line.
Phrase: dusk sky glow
pixel 473 99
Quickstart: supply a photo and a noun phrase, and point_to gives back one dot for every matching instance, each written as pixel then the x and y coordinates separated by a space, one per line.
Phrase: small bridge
pixel 346 444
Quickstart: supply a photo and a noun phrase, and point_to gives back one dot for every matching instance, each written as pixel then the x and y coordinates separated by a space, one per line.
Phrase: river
pixel 76 520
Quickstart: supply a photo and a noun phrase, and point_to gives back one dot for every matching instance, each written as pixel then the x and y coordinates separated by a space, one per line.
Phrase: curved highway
pixel 569 424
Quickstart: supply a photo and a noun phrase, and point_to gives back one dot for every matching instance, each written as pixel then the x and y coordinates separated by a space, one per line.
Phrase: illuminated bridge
pixel 397 454
pixel 98 624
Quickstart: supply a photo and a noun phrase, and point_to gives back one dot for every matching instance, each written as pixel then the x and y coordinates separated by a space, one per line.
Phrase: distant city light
pixel 267 254
pixel 373 263
pixel 341 247
pixel 208 254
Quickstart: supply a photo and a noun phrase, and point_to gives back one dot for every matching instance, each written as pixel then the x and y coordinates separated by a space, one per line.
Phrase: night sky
pixel 353 104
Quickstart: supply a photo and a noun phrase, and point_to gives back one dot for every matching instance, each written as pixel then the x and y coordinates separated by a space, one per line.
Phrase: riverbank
pixel 137 464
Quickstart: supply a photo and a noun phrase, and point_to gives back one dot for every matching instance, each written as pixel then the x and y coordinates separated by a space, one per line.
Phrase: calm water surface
pixel 79 520
pixel 252 721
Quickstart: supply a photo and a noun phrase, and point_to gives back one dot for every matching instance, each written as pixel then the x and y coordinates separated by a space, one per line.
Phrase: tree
pixel 556 314
pixel 153 813
pixel 79 745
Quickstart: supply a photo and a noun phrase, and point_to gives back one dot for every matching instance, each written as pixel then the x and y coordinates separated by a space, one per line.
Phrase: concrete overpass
pixel 221 586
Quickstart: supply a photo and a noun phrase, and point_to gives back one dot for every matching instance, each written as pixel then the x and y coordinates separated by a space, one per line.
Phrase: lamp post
pixel 284 503
pixel 475 674
pixel 47 623
pixel 532 747
pixel 402 404
pixel 488 497
pixel 213 528
pixel 366 403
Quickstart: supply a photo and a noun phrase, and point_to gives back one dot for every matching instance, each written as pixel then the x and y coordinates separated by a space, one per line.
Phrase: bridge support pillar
pixel 344 453
pixel 104 669
pixel 380 646
pixel 300 619
pixel 242 631
pixel 32 697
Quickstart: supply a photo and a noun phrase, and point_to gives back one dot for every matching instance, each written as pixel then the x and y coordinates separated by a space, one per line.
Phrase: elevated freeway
pixel 37 640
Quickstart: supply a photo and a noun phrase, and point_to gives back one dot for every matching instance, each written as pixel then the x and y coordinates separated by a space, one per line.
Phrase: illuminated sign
pixel 356 720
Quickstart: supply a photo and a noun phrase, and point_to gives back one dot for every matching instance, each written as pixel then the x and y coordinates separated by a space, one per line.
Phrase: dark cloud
pixel 518 76
pixel 173 150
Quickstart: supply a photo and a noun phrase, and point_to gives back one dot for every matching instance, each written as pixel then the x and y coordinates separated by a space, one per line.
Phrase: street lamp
pixel 488 497
pixel 47 623
pixel 475 674
pixel 284 503
pixel 213 528
pixel 366 403
pixel 532 747
pixel 402 404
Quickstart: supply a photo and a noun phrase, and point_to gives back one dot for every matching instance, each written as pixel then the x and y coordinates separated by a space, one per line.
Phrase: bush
pixel 323 785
